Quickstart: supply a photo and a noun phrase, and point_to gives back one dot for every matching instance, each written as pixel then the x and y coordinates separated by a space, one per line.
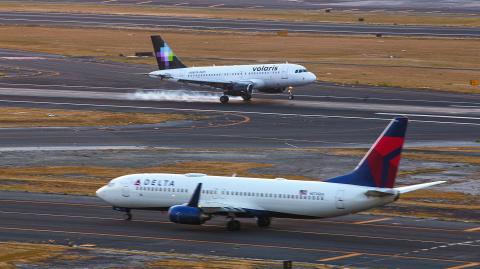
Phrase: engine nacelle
pixel 239 90
pixel 187 215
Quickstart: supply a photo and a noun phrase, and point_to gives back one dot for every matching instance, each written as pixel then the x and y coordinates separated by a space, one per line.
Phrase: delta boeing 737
pixel 196 198
pixel 234 80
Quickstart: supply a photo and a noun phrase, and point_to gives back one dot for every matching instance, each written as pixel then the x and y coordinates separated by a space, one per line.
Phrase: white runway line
pixel 430 116
pixel 470 104
pixel 144 2
pixel 109 1
pixel 217 5
pixel 182 4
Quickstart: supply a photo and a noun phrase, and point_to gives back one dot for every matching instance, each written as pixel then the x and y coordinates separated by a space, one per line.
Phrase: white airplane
pixel 235 80
pixel 195 198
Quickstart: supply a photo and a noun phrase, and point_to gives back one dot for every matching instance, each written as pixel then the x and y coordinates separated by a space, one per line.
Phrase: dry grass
pixel 11 253
pixel 36 117
pixel 252 14
pixel 364 60
pixel 446 155
pixel 85 180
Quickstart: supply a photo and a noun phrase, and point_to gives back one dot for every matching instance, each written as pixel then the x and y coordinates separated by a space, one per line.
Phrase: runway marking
pixel 52 203
pixel 358 236
pixel 144 2
pixel 236 111
pixel 474 105
pixel 472 264
pixel 109 1
pixel 371 221
pixel 181 4
pixel 217 5
pixel 220 226
pixel 197 110
pixel 319 221
pixel 235 244
pixel 429 116
pixel 275 27
pixel 340 257
pixel 472 229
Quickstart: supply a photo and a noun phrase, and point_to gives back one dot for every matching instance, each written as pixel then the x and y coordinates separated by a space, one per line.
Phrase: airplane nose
pixel 101 193
pixel 313 77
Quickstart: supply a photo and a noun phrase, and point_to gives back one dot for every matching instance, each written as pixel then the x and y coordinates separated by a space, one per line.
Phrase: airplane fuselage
pixel 263 77
pixel 251 196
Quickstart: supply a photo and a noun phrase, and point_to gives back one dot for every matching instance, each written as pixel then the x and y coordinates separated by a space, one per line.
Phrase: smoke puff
pixel 178 96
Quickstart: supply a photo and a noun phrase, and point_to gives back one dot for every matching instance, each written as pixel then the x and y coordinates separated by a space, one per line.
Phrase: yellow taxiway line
pixel 371 221
pixel 340 257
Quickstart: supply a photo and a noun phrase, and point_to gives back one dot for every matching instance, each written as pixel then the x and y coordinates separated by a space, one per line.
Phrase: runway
pixel 445 6
pixel 99 20
pixel 357 240
pixel 321 115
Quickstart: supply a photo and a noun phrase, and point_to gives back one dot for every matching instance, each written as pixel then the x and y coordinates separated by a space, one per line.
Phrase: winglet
pixel 196 196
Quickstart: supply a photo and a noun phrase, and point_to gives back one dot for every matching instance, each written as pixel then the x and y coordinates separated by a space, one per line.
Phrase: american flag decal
pixel 303 192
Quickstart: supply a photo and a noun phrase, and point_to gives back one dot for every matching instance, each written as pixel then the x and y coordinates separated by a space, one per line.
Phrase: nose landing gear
pixel 290 93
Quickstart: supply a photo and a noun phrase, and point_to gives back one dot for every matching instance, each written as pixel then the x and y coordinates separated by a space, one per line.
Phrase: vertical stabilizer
pixel 166 59
pixel 380 165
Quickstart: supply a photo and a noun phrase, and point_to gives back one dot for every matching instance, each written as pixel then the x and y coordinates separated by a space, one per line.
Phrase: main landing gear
pixel 233 225
pixel 264 221
pixel 290 93
pixel 247 97
pixel 224 99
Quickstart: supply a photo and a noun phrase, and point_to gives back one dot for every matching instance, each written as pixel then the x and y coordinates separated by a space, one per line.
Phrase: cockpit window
pixel 301 70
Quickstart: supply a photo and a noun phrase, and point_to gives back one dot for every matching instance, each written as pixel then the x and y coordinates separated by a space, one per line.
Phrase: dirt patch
pixel 11 117
pixel 412 18
pixel 403 62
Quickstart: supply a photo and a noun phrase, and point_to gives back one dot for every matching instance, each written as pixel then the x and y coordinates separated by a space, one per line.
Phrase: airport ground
pixel 49 172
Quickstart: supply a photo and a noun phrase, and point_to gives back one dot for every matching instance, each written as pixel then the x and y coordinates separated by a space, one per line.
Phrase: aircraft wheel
pixel 233 225
pixel 264 221
pixel 291 97
pixel 247 97
pixel 128 215
pixel 224 99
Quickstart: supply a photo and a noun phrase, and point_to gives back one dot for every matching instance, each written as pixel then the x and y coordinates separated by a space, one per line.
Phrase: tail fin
pixel 379 166
pixel 166 59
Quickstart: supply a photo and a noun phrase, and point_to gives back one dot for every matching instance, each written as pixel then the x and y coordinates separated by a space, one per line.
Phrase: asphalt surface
pixel 98 20
pixel 444 6
pixel 356 240
pixel 321 114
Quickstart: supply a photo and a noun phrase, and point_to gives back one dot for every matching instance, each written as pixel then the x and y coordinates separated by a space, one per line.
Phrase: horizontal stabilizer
pixel 417 187
pixel 381 193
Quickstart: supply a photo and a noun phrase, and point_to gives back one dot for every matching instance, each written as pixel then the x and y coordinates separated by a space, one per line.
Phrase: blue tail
pixel 380 165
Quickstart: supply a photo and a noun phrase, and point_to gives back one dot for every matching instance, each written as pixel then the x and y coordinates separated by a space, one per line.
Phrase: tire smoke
pixel 178 96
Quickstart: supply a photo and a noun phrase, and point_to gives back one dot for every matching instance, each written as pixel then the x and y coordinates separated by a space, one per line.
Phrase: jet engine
pixel 183 214
pixel 240 89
